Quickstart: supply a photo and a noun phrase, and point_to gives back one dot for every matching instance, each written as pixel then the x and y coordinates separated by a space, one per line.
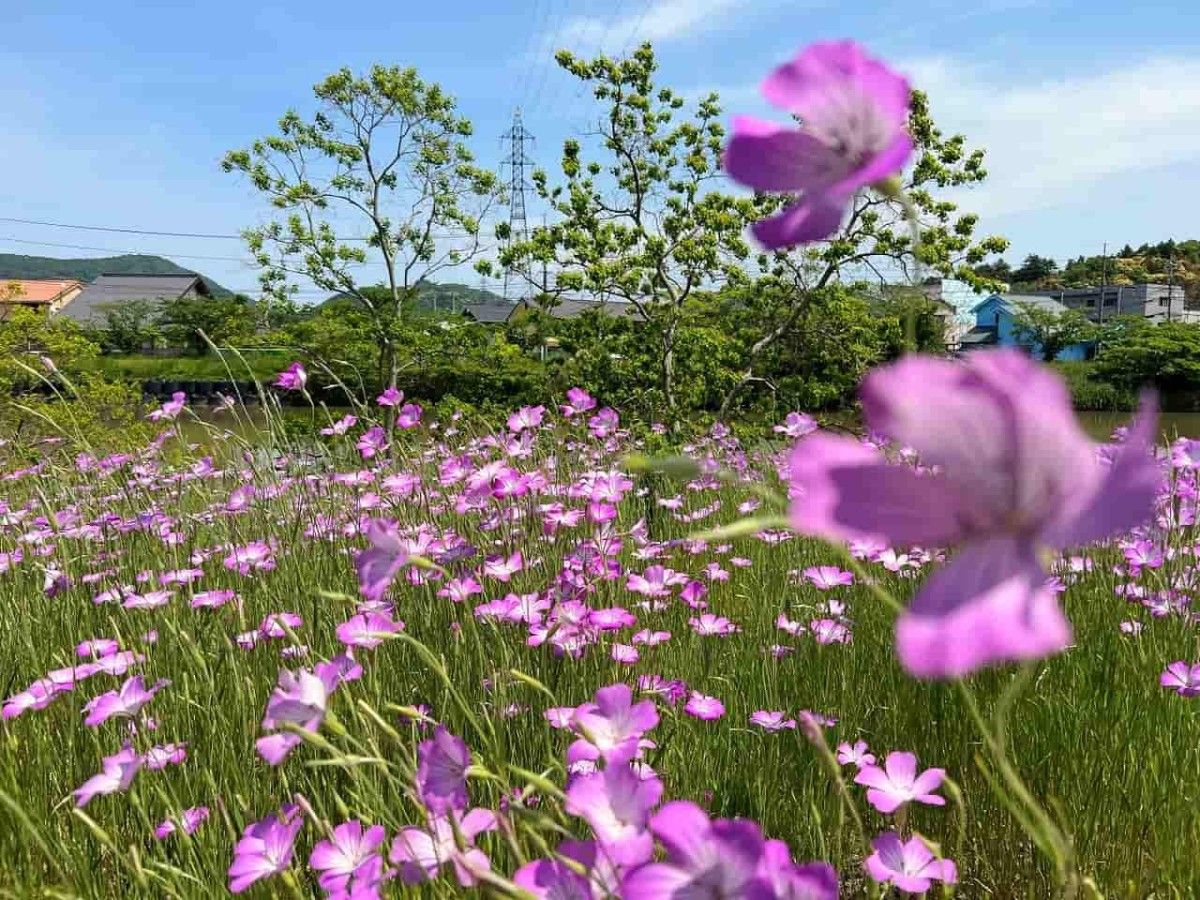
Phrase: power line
pixel 113 229
pixel 13 240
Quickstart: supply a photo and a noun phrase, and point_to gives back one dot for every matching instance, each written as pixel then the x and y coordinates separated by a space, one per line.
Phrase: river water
pixel 1100 425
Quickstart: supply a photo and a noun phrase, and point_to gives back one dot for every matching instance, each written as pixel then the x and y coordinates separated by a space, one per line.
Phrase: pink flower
pixel 1036 482
pixel 116 774
pixel 700 706
pixel 372 443
pixel 503 568
pixel 1183 678
pixel 616 803
pixel 410 416
pixel 368 630
pixel 910 866
pixel 555 879
pixel 625 654
pixel 771 720
pixel 708 624
pixel 796 425
pixel 390 397
pixel 651 638
pixel 854 111
pixel 378 566
pixel 264 850
pixel 857 754
pixel 614 724
pixel 299 699
pixel 341 426
pixel 657 581
pixel 191 820
pixel 578 401
pixel 97 647
pixel 124 703
pixel 422 852
pixel 344 853
pixel 898 783
pixel 526 417
pixel 442 764
pixel 171 409
pixel 828 577
pixel 604 423
pixel 293 378
pixel 722 858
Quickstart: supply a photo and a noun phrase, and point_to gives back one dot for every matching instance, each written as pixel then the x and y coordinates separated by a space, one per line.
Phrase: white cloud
pixel 1051 143
pixel 661 22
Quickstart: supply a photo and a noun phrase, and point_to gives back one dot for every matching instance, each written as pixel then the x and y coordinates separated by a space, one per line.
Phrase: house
pixel 995 325
pixel 962 299
pixel 1147 300
pixel 499 312
pixel 45 295
pixel 490 312
pixel 109 291
pixel 942 307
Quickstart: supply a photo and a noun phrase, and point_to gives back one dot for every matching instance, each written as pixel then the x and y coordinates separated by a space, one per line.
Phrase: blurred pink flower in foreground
pixel 853 111
pixel 1014 475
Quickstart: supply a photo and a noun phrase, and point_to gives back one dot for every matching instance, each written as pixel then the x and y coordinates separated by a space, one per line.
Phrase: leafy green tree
pixel 36 351
pixel 999 271
pixel 127 326
pixel 187 320
pixel 1165 356
pixel 640 221
pixel 819 363
pixel 877 241
pixel 26 336
pixel 1050 331
pixel 1035 268
pixel 385 159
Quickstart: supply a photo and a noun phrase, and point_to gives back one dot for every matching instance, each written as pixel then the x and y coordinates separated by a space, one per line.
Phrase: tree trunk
pixel 388 371
pixel 668 367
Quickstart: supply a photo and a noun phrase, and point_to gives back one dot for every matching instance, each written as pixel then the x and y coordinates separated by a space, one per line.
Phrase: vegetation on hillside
pixel 1147 263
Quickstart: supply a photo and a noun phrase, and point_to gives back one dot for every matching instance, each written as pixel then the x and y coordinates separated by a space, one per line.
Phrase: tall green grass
pixel 1113 755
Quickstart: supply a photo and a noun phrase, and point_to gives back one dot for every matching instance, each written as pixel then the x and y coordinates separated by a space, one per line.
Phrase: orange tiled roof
pixel 39 291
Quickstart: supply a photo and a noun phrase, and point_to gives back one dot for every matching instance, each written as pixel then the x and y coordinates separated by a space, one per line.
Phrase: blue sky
pixel 117 113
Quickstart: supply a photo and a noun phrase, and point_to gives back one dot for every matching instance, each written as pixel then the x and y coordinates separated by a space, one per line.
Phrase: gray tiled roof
pixel 109 290
pixel 570 307
pixel 495 312
pixel 978 336
pixel 490 312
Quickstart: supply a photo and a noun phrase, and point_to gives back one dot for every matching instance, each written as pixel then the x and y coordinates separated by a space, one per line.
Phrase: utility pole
pixel 1103 281
pixel 1170 281
pixel 545 265
pixel 516 137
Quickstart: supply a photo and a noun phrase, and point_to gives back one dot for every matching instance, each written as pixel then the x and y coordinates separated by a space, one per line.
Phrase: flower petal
pixel 803 86
pixel 848 491
pixel 989 605
pixel 1124 497
pixel 813 218
pixel 770 157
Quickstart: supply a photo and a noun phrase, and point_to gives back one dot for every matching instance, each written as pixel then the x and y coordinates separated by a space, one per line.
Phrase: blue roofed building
pixel 995 325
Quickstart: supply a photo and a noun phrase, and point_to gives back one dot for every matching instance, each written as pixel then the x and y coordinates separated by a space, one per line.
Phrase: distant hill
pixel 15 266
pixel 1147 263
